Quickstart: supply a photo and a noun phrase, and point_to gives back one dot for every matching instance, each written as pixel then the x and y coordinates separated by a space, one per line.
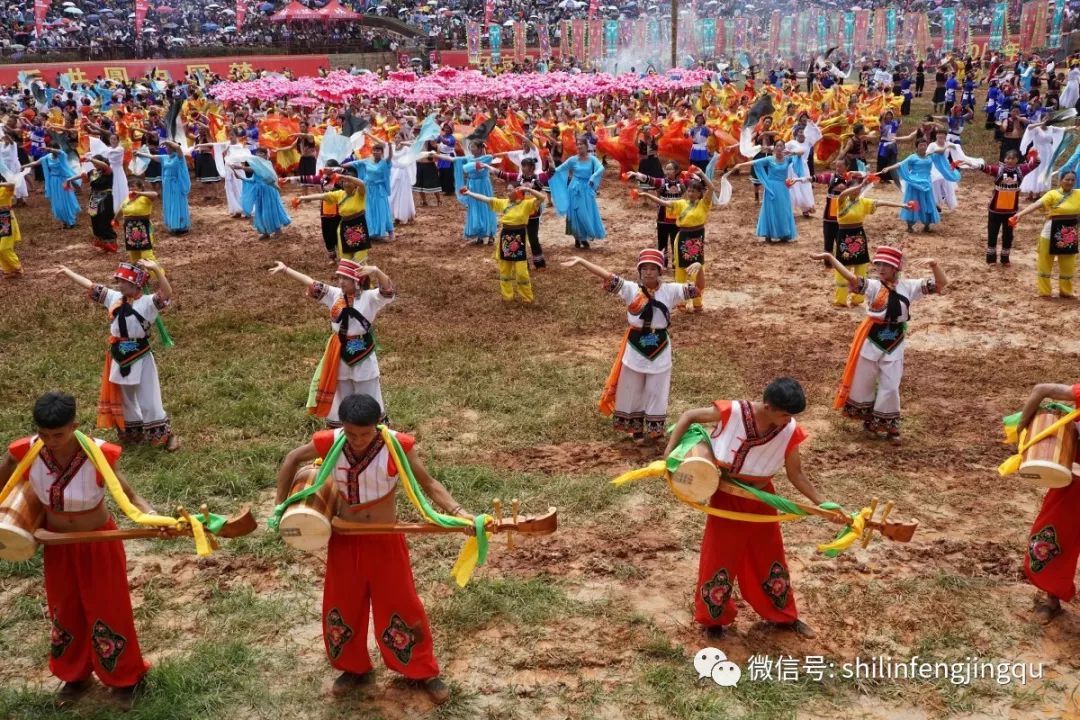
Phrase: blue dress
pixel 64 204
pixel 573 192
pixel 775 218
pixel 260 198
pixel 480 219
pixel 915 172
pixel 175 186
pixel 376 177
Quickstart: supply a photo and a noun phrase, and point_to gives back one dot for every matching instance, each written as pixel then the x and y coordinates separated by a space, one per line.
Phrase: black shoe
pixel 991 258
pixel 71 691
pixel 346 682
pixel 584 244
pixel 1004 259
pixel 436 690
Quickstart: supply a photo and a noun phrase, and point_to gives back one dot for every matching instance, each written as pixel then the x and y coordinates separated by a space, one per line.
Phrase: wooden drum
pixel 20 515
pixel 306 525
pixel 696 477
pixel 1049 462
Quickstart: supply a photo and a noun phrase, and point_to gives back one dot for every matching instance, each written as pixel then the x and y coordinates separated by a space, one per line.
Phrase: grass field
pixel 594 621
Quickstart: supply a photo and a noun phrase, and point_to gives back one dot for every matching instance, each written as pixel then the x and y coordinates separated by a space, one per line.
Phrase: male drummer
pixel 371 570
pixel 751 442
pixel 86 584
pixel 1054 542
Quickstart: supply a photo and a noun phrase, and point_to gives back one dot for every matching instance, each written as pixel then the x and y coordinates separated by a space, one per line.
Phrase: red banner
pixel 519 41
pixel 579 40
pixel 41 9
pixel 718 46
pixel 489 7
pixel 241 11
pixel 862 30
pixel 596 39
pixel 594 5
pixel 140 14
pixel 127 70
pixel 564 39
pixel 879 29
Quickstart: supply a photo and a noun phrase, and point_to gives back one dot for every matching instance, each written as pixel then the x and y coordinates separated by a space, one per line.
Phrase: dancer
pixel 691 214
pixel 349 364
pixel 260 196
pixel 86 584
pixel 870 387
pixel 1058 238
pixel 670 187
pixel 1004 202
pixel 573 192
pixel 751 441
pixel 529 178
pixel 636 392
pixel 776 221
pixel 59 179
pixel 348 201
pixel 10 265
pixel 175 186
pixel 472 173
pixel 1053 543
pixel 428 181
pixel 130 398
pixel 371 575
pixel 914 170
pixel 514 213
pixel 100 209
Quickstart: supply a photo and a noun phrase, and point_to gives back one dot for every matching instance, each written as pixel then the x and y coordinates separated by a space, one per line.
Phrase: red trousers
pixel 1054 543
pixel 374 571
pixel 753 554
pixel 86 587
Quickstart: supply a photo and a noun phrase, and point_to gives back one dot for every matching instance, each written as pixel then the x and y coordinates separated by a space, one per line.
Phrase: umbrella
pixel 69 4
pixel 73 11
pixel 508 23
pixel 105 11
pixel 229 29
pixel 92 18
pixel 177 40
pixel 16 46
pixel 266 7
pixel 150 30
pixel 211 26
pixel 170 26
pixel 212 6
pixel 227 11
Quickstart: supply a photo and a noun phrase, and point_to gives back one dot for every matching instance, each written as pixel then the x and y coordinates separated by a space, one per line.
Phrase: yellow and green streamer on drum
pixel 788 511
pixel 1015 436
pixel 112 484
pixel 473 553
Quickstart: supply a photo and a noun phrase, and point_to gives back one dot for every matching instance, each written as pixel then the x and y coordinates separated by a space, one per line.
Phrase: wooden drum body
pixel 306 525
pixel 696 478
pixel 1049 462
pixel 20 515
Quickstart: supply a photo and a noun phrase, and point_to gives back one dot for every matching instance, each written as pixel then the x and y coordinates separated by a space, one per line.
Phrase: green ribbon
pixel 447 521
pixel 325 470
pixel 159 324
pixel 1014 419
pixel 697 433
pixel 213 524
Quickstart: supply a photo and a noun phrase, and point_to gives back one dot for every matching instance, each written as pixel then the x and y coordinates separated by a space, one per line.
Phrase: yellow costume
pixel 9 234
pixel 1058 239
pixel 510 252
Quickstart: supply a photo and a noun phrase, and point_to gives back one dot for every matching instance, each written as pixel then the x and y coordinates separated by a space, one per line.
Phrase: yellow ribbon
pixel 469 556
pixel 1012 465
pixel 137 516
pixel 20 470
pixel 853 533
pixel 659 469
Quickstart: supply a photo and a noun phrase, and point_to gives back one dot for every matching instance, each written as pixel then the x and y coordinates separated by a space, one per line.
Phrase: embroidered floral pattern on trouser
pixel 641 401
pixel 370 575
pixel 751 554
pixel 86 587
pixel 1054 543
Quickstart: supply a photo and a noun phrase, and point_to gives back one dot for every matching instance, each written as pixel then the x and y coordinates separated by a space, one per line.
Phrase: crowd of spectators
pixel 104 29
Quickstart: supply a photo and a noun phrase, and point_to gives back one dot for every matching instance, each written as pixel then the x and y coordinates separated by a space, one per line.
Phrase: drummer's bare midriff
pixel 81 521
pixel 380 511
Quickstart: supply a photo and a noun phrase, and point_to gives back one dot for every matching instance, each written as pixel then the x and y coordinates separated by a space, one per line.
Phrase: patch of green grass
pixel 532 602
pixel 31 568
pixel 672 687
pixel 210 680
pixel 241 612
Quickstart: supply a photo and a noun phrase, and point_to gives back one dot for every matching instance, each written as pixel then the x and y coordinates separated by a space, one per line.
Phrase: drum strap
pixel 1012 465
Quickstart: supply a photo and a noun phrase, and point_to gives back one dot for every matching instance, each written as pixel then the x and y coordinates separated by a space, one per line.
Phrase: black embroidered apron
pixel 646 340
pixel 690 246
pixel 512 244
pixel 137 234
pixel 354 349
pixel 354 234
pixel 1063 235
pixel 126 350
